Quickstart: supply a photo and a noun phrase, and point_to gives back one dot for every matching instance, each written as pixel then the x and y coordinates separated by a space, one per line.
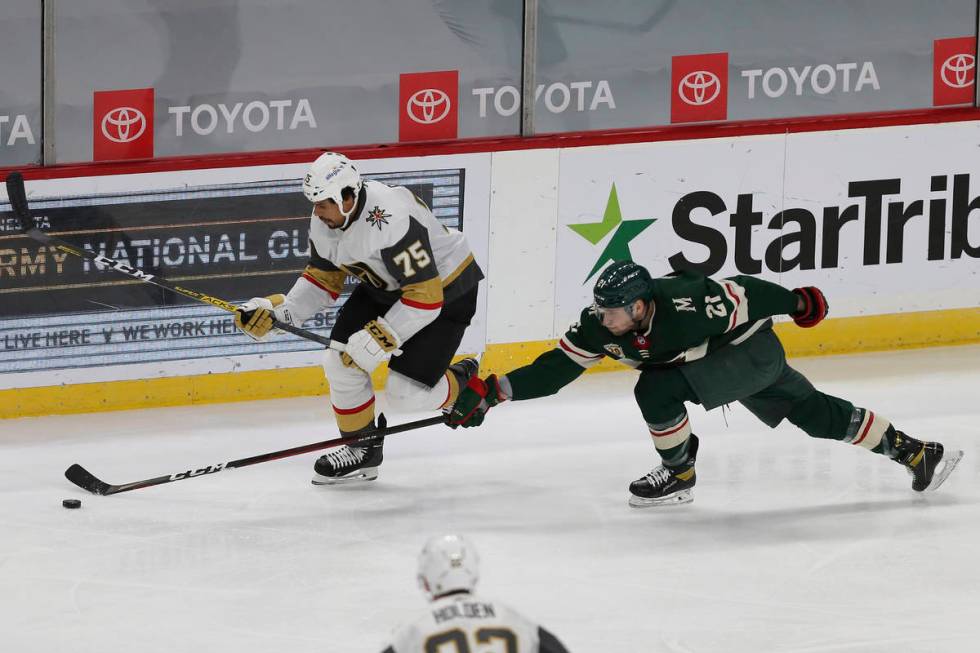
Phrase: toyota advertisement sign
pixel 954 71
pixel 700 90
pixel 436 106
pixel 123 124
pixel 699 84
pixel 428 106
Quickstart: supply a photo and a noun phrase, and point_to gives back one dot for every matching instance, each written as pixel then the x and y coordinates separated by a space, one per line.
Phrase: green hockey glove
pixel 479 396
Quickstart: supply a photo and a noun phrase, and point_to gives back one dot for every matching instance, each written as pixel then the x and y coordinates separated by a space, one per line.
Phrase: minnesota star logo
pixel 617 249
pixel 376 217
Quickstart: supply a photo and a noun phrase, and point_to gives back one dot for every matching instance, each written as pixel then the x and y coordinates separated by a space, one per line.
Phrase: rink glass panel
pixel 232 241
pixel 20 82
pixel 630 44
pixel 316 73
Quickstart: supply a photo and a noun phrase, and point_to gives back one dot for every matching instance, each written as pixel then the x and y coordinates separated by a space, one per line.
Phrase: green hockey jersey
pixel 694 315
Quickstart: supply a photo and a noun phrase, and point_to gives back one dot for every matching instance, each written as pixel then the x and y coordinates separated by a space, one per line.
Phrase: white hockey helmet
pixel 329 175
pixel 448 563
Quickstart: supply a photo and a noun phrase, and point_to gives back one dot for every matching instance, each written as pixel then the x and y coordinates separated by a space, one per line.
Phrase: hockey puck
pixel 71 503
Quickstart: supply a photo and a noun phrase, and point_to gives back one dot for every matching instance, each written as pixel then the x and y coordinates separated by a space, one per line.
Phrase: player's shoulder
pixel 679 282
pixel 389 211
pixel 589 319
pixel 397 199
pixel 586 331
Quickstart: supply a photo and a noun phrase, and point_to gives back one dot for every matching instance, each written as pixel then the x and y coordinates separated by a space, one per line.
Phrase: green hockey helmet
pixel 621 284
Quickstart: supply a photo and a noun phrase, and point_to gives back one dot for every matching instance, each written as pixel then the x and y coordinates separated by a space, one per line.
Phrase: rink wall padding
pixel 884 219
pixel 840 336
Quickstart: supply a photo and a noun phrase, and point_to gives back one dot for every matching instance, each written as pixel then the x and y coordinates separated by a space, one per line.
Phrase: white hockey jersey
pixel 399 251
pixel 466 622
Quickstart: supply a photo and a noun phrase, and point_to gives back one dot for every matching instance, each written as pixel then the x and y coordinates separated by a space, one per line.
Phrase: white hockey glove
pixel 372 345
pixel 254 317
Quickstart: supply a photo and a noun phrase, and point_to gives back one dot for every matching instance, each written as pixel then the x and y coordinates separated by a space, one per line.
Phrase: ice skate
pixel 348 465
pixel 928 463
pixel 666 485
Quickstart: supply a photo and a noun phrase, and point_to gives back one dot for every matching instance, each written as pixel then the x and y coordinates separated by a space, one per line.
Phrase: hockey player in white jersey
pixel 417 295
pixel 459 621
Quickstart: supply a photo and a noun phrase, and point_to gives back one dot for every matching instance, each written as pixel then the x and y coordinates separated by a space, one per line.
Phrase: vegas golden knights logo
pixel 364 273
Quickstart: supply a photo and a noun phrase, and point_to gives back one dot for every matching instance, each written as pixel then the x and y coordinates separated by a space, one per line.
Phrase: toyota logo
pixel 957 71
pixel 699 88
pixel 428 106
pixel 123 124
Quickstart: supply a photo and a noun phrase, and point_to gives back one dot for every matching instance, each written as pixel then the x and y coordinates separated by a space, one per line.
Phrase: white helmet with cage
pixel 329 175
pixel 448 563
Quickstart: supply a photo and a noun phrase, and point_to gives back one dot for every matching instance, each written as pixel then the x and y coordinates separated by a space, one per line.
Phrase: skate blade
pixel 358 476
pixel 676 499
pixel 950 460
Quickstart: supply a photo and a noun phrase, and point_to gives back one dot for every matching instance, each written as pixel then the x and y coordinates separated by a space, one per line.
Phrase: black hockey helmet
pixel 621 284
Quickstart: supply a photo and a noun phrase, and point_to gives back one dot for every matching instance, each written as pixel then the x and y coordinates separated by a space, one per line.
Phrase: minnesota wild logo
pixel 376 217
pixel 617 249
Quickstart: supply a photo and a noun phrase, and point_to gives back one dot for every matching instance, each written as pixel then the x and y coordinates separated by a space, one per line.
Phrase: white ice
pixel 791 545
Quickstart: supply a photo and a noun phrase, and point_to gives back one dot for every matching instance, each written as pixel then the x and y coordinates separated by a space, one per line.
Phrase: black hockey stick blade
pixel 18 200
pixel 84 479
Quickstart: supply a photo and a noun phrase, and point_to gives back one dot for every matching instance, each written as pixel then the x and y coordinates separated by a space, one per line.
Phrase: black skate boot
pixel 667 485
pixel 922 460
pixel 349 464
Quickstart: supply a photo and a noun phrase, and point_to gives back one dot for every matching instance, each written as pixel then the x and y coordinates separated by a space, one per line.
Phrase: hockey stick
pixel 85 480
pixel 18 202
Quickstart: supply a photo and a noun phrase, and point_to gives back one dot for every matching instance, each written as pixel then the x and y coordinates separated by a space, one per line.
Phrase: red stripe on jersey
pixel 320 286
pixel 425 307
pixel 735 300
pixel 570 349
pixel 864 434
pixel 354 411
pixel 660 434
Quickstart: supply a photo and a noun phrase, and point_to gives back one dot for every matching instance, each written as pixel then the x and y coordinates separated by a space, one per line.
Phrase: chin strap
pixel 347 215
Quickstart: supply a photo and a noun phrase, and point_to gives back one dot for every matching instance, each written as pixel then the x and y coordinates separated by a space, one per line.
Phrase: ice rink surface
pixel 791 545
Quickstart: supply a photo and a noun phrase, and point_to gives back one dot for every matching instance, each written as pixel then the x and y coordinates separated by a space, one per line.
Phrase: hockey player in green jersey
pixel 695 339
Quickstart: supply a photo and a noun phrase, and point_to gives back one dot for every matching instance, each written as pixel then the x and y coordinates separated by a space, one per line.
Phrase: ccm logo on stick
pixel 122 267
pixel 211 469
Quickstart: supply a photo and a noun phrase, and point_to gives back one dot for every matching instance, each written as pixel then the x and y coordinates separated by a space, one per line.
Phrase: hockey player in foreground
pixel 417 295
pixel 457 619
pixel 708 342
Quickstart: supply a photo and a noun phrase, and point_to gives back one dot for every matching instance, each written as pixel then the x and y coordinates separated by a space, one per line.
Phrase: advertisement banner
pixel 428 106
pixel 123 124
pixel 232 240
pixel 329 84
pixel 954 74
pixel 699 87
pixel 883 220
pixel 782 60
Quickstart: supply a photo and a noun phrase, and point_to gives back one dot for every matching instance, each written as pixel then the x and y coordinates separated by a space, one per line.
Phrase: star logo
pixel 376 217
pixel 617 249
